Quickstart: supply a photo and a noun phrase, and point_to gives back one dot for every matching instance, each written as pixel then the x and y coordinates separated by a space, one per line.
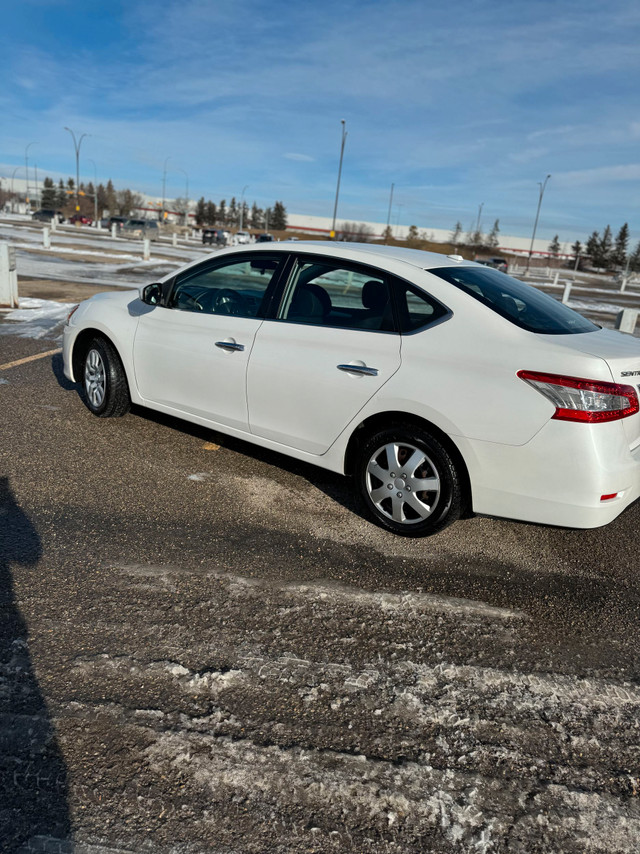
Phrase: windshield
pixel 522 304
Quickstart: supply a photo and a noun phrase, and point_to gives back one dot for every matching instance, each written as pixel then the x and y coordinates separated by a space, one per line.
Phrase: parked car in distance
pixel 79 219
pixel 264 238
pixel 119 221
pixel 140 228
pixel 242 237
pixel 47 214
pixel 497 263
pixel 441 386
pixel 215 236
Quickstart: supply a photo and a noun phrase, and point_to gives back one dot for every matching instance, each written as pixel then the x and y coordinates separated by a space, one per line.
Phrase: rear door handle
pixel 229 345
pixel 362 370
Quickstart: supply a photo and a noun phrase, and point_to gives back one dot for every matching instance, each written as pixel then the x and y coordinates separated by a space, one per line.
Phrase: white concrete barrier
pixel 174 239
pixel 566 293
pixel 626 320
pixel 46 237
pixel 114 230
pixel 146 249
pixel 8 277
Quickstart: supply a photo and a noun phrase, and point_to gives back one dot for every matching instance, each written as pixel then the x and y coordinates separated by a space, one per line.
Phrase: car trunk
pixel 621 352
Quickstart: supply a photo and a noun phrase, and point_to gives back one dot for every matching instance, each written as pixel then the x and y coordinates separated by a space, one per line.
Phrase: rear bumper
pixel 559 477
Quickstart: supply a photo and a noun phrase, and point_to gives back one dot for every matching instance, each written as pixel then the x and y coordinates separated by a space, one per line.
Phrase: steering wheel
pixel 229 302
pixel 191 301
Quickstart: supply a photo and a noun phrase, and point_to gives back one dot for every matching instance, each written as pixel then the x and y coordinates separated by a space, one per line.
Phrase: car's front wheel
pixel 408 481
pixel 106 391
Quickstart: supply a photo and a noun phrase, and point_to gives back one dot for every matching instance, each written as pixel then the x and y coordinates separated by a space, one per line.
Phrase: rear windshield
pixel 522 304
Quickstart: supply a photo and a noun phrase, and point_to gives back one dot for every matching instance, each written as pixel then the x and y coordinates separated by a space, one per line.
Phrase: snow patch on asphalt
pixel 36 318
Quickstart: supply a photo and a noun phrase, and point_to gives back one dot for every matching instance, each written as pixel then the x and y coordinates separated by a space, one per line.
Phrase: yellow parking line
pixel 29 359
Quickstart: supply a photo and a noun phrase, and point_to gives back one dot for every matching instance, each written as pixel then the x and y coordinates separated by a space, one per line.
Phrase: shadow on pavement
pixel 33 779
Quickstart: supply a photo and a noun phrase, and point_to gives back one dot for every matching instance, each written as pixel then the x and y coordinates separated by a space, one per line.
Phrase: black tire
pixel 104 383
pixel 388 488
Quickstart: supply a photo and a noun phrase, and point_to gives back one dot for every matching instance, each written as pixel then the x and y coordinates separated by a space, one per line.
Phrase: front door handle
pixel 231 346
pixel 361 370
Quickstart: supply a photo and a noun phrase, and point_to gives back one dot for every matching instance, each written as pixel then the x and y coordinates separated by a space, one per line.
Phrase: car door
pixel 332 346
pixel 191 353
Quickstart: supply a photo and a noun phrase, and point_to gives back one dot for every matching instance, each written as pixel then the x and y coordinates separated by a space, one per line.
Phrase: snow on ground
pixel 36 318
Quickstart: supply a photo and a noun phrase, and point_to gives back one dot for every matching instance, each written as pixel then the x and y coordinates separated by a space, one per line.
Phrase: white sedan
pixel 442 387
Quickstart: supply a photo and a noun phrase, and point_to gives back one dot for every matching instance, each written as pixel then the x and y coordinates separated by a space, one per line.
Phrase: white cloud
pixel 598 175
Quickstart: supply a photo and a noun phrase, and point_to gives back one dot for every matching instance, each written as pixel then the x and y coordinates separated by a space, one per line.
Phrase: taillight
pixel 589 401
pixel 71 313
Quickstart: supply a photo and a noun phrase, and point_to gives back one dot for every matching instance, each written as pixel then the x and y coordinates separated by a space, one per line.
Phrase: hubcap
pixel 402 483
pixel 94 378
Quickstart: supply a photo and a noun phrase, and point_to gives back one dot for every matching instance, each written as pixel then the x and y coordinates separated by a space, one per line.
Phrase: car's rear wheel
pixel 408 481
pixel 106 391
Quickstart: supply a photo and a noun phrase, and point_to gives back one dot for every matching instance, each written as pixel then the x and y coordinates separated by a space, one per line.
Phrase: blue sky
pixel 456 103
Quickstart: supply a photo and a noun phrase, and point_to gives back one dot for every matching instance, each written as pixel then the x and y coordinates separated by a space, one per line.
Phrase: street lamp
pixel 77 145
pixel 186 195
pixel 242 206
pixel 388 230
pixel 335 207
pixel 535 225
pixel 164 184
pixel 26 164
pixel 13 174
pixel 95 193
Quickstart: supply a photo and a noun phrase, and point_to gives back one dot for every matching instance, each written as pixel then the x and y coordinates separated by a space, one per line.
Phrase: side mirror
pixel 151 294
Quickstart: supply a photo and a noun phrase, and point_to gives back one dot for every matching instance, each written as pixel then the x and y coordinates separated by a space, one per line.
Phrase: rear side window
pixel 417 309
pixel 522 304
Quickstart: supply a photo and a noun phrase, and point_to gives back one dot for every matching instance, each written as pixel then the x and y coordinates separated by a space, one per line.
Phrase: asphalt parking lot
pixel 204 648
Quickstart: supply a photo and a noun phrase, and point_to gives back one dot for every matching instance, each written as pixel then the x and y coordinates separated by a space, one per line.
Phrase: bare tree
pixel 355 232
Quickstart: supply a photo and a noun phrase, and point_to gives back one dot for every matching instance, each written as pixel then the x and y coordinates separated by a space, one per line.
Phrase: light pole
pixel 164 184
pixel 26 166
pixel 535 225
pixel 13 174
pixel 242 206
pixel 186 196
pixel 77 145
pixel 95 194
pixel 335 207
pixel 478 220
pixel 387 232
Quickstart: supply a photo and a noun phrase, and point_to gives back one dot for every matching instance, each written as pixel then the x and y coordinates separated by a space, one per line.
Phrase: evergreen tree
pixel 606 248
pixel 233 212
pixel 49 195
pixel 222 212
pixel 593 248
pixel 102 199
pixel 634 260
pixel 268 219
pixel 61 195
pixel 257 216
pixel 279 217
pixel 111 197
pixel 554 246
pixel 456 234
pixel 492 239
pixel 388 234
pixel 200 211
pixel 619 253
pixel 211 214
pixel 576 249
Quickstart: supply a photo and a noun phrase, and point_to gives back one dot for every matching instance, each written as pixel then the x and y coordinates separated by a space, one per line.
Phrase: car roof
pixel 371 252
